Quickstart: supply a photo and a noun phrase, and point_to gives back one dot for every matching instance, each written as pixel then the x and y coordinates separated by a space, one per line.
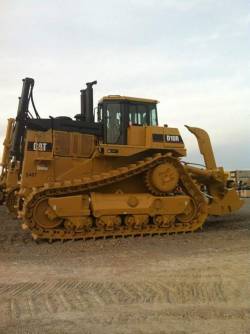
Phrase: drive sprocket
pixel 162 179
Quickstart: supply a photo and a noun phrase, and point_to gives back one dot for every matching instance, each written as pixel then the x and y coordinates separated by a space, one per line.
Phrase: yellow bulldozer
pixel 9 173
pixel 112 171
pixel 5 159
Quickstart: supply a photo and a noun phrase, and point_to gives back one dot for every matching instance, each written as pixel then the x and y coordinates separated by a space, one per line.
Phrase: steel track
pixel 84 185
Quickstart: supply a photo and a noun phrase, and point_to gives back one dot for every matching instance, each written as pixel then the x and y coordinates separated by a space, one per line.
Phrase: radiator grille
pixel 62 143
pixel 73 144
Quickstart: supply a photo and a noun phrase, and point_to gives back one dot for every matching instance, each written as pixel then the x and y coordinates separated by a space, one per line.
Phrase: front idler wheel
pixel 44 216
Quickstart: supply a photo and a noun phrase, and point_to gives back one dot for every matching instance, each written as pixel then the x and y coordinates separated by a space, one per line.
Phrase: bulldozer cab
pixel 117 113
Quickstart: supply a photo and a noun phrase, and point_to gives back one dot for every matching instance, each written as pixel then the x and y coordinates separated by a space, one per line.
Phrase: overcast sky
pixel 192 55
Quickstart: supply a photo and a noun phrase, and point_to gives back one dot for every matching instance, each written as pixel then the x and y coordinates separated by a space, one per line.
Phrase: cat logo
pixel 39 146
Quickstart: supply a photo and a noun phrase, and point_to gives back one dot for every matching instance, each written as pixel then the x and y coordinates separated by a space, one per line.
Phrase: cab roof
pixel 127 98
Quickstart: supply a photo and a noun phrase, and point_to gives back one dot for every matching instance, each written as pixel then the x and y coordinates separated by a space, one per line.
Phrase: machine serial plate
pixel 158 137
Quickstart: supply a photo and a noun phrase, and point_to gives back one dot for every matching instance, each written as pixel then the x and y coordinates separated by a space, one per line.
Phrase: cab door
pixel 115 129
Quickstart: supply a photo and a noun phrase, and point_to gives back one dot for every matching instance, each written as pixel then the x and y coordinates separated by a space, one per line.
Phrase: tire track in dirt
pixel 124 292
pixel 108 316
pixel 197 292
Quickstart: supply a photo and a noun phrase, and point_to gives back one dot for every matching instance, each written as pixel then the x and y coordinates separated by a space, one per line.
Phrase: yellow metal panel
pixel 137 135
pixel 141 203
pixel 73 144
pixel 121 150
pixel 72 206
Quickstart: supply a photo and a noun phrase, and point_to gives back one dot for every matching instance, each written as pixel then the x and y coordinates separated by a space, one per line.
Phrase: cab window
pixel 138 115
pixel 142 114
pixel 153 116
pixel 114 123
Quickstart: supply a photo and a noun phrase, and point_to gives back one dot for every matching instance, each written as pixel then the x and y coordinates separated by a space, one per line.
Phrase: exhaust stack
pixel 87 112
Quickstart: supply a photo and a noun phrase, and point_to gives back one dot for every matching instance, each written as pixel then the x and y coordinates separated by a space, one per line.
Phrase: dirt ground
pixel 190 283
